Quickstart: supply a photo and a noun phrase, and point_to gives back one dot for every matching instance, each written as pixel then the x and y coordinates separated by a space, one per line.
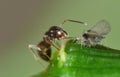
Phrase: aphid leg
pixel 81 41
pixel 89 43
pixel 31 47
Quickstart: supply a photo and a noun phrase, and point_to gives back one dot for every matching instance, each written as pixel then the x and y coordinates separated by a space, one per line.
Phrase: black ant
pixel 44 47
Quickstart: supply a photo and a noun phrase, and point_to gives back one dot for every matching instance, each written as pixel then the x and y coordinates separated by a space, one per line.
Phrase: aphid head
pixel 85 35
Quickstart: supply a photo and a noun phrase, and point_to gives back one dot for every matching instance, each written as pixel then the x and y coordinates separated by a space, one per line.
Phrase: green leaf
pixel 81 61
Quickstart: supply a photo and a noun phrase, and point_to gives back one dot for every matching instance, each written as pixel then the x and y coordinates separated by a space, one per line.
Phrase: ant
pixel 44 47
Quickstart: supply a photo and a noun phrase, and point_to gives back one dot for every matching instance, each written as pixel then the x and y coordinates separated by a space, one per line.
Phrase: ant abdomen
pixel 43 55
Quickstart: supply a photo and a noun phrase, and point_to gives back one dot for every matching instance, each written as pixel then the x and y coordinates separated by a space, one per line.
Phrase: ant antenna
pixel 84 23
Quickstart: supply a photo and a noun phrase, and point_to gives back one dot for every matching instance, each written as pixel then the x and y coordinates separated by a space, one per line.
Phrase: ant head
pixel 56 32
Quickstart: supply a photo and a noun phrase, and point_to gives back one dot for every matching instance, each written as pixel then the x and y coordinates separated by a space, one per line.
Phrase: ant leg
pixel 31 47
pixel 49 59
pixel 53 44
pixel 72 38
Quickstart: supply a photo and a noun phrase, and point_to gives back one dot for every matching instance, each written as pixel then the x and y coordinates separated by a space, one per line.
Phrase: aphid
pixel 44 47
pixel 94 35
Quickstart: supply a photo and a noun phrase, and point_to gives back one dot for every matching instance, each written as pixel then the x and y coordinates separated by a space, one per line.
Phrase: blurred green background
pixel 24 22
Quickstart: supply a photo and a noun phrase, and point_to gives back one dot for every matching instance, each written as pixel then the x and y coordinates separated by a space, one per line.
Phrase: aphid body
pixel 94 35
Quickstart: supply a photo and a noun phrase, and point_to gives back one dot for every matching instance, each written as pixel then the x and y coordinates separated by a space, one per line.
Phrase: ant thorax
pixel 43 45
